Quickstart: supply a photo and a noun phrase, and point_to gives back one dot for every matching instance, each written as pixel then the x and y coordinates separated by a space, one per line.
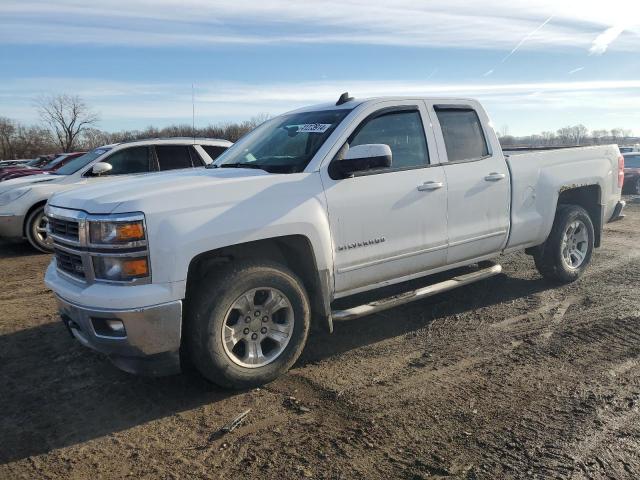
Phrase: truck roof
pixel 355 102
pixel 172 140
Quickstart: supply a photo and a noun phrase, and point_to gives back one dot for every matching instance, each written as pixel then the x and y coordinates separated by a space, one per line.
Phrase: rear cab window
pixel 632 161
pixel 462 131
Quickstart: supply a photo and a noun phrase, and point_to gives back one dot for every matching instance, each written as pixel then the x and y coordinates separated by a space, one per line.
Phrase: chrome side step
pixel 424 292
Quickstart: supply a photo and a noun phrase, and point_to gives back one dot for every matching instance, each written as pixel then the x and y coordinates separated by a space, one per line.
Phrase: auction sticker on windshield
pixel 313 127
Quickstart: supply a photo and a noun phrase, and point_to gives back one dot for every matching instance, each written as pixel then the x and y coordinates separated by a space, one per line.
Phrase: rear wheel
pixel 36 231
pixel 567 252
pixel 247 324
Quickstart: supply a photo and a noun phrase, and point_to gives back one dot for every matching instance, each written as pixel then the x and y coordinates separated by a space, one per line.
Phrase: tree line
pixel 68 124
pixel 576 135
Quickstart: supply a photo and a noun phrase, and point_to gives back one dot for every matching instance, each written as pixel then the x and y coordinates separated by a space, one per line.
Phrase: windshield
pixel 37 162
pixel 632 161
pixel 285 144
pixel 77 163
pixel 53 163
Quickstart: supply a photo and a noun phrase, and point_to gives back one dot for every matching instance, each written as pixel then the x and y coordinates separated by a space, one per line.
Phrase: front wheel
pixel 247 324
pixel 36 231
pixel 566 253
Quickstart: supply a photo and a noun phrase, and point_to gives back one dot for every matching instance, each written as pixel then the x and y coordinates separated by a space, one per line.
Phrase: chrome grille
pixel 70 263
pixel 64 228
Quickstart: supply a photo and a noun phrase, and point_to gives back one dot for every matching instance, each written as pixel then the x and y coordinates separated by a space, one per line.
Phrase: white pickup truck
pixel 229 267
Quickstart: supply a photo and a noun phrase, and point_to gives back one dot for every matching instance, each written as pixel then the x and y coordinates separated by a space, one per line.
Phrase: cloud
pixel 601 42
pixel 525 106
pixel 491 24
pixel 575 70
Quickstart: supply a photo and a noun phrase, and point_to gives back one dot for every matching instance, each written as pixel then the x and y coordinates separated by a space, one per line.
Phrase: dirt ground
pixel 511 377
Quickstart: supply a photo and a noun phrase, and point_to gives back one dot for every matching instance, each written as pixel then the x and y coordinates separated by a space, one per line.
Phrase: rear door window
pixel 172 157
pixel 463 135
pixel 130 160
pixel 214 151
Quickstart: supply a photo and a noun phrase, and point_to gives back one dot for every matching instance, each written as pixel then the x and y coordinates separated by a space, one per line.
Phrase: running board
pixel 424 292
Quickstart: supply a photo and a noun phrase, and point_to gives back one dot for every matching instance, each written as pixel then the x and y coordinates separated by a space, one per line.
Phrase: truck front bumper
pixel 11 225
pixel 144 341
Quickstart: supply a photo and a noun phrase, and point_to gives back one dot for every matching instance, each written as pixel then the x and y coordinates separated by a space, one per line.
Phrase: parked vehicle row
pixel 18 171
pixel 632 173
pixel 38 162
pixel 22 200
pixel 230 266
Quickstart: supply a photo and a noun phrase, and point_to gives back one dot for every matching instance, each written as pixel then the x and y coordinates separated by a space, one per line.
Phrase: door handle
pixel 494 177
pixel 427 186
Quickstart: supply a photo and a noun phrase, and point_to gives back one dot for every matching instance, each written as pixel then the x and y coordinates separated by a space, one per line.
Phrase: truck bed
pixel 539 175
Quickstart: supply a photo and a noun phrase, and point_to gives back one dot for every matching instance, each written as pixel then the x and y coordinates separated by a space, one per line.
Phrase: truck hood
pixel 165 191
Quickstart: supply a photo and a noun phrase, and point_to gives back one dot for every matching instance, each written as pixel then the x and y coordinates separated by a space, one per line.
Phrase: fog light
pixel 116 325
pixel 108 327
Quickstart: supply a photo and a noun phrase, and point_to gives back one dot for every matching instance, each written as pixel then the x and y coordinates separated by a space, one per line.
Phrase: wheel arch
pixel 33 208
pixel 589 198
pixel 293 251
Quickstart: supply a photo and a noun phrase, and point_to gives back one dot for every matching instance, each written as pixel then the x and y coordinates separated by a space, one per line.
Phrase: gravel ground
pixel 511 377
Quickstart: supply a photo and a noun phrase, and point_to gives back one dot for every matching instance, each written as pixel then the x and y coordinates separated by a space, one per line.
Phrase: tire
pixel 34 230
pixel 222 302
pixel 551 258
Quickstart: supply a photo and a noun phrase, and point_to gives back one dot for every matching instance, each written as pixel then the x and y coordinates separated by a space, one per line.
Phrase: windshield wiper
pixel 242 165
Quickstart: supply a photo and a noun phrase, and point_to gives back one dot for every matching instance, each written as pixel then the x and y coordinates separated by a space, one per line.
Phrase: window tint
pixel 632 161
pixel 171 157
pixel 130 160
pixel 462 133
pixel 213 151
pixel 402 131
pixel 80 162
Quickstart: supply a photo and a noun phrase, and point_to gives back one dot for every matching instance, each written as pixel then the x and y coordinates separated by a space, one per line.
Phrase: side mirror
pixel 101 168
pixel 365 157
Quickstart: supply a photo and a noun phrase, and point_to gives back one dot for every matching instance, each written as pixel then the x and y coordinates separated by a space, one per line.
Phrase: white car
pixel 231 265
pixel 22 200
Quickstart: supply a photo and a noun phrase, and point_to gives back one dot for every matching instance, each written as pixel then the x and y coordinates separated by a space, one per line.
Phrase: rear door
pixel 477 177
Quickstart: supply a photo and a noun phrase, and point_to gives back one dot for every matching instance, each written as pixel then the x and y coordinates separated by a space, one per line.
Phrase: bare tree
pixel 7 132
pixel 599 135
pixel 579 133
pixel 504 131
pixel 68 116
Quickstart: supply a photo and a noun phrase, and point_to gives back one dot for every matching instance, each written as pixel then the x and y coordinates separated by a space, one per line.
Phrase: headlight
pixel 120 269
pixel 116 232
pixel 12 195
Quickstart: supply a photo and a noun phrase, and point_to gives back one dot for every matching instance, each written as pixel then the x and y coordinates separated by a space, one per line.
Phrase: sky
pixel 537 65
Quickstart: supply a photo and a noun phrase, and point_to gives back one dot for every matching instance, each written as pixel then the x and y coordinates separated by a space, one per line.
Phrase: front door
pixel 389 223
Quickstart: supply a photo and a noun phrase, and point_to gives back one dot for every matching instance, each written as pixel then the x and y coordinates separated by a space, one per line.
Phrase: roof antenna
pixel 344 98
pixel 193 114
